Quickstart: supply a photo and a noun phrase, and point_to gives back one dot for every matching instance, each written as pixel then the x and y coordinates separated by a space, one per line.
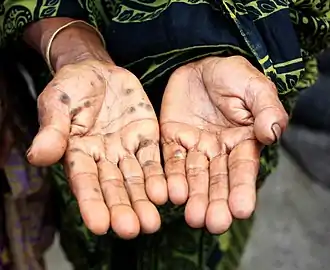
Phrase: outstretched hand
pixel 99 118
pixel 216 116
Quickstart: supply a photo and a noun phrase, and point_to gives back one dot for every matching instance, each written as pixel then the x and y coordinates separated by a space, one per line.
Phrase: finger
pixel 82 174
pixel 148 156
pixel 135 186
pixel 50 143
pixel 243 164
pixel 218 216
pixel 270 116
pixel 124 221
pixel 175 171
pixel 198 181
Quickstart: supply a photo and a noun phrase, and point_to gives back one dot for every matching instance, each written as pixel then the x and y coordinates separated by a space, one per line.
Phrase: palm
pixel 112 159
pixel 210 148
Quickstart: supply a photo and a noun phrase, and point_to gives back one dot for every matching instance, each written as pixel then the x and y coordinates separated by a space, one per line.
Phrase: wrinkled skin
pixel 216 115
pixel 112 157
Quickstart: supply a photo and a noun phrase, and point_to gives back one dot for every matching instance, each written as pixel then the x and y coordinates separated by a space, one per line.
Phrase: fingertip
pixel 242 203
pixel 157 191
pixel 218 217
pixel 195 211
pixel 269 126
pixel 148 216
pixel 96 221
pixel 124 222
pixel 264 133
pixel 177 190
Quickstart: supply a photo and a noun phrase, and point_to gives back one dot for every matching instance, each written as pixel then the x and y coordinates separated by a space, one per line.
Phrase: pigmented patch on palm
pixel 109 133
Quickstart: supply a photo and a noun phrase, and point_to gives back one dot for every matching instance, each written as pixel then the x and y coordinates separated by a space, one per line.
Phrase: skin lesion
pixel 145 143
pixel 71 164
pixel 131 110
pixel 87 103
pixel 75 111
pixel 128 91
pixel 96 190
pixel 146 106
pixel 65 99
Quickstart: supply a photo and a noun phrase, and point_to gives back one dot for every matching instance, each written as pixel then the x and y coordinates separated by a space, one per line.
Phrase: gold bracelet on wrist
pixel 53 36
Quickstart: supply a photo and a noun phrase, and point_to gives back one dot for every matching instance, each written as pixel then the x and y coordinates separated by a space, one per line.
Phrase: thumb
pixel 270 117
pixel 51 141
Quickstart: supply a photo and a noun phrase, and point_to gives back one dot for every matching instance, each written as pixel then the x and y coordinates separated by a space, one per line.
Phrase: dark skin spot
pixel 145 143
pixel 65 99
pixel 75 111
pixel 147 106
pixel 131 110
pixel 148 163
pixel 92 84
pixel 129 91
pixel 71 164
pixel 108 134
pixel 96 190
pixel 87 104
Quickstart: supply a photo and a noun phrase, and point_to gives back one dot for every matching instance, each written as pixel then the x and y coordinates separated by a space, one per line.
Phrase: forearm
pixel 71 45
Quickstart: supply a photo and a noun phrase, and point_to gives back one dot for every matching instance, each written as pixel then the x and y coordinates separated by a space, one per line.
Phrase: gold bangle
pixel 53 36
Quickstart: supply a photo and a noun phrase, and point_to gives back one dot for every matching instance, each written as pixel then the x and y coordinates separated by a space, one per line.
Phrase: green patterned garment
pixel 152 38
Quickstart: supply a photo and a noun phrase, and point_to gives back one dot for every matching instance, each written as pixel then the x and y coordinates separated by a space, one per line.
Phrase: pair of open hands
pixel 216 115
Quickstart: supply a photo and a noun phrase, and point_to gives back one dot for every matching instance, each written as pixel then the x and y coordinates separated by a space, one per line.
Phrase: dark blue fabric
pixel 180 26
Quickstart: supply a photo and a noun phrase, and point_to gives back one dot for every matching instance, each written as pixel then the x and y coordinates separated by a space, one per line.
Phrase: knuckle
pixel 112 182
pixel 219 179
pixel 196 171
pixel 134 180
pixel 237 163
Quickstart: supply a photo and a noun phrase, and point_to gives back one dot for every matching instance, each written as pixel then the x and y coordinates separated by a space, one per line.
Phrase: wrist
pixel 77 43
pixel 72 44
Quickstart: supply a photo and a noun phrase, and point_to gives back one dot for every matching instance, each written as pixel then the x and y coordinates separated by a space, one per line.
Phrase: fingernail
pixel 277 131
